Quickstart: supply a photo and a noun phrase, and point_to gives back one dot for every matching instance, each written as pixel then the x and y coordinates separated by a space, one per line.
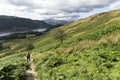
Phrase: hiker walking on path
pixel 28 56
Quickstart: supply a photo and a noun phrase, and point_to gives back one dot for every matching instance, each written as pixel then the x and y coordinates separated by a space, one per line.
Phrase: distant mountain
pixel 13 24
pixel 56 22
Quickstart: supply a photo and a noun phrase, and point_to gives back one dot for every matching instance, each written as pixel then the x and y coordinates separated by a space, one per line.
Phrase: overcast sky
pixel 56 9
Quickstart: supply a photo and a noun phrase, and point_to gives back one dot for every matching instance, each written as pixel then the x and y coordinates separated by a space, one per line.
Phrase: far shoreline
pixel 15 32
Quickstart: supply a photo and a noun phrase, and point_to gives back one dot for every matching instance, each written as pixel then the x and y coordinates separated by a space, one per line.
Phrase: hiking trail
pixel 30 73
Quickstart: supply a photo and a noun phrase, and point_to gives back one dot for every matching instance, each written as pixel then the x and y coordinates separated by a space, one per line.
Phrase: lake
pixel 35 30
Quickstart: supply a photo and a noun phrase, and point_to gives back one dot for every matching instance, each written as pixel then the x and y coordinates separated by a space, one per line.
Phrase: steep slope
pixel 93 28
pixel 91 50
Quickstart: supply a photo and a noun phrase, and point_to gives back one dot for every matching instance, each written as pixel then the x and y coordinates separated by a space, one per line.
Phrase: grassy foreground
pixel 13 67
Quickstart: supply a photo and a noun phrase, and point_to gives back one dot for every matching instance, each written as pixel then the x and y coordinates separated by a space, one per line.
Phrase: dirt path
pixel 30 73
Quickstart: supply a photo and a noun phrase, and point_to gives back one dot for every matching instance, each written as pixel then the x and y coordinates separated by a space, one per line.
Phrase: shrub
pixel 108 65
pixel 59 35
pixel 12 72
pixel 53 61
pixel 1 45
pixel 29 47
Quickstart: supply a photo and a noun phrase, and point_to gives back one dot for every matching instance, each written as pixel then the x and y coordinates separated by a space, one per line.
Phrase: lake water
pixel 35 30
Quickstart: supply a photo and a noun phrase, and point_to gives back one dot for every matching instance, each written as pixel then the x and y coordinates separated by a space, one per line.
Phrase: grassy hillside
pixel 93 28
pixel 91 50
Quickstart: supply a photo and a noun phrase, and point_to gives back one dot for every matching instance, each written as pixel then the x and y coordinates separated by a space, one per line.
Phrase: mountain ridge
pixel 12 24
pixel 55 22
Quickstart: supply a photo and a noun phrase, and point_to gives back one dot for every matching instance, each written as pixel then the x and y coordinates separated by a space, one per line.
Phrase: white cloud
pixel 58 9
pixel 116 5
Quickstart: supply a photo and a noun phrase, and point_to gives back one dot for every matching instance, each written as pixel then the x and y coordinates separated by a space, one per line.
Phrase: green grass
pixel 88 56
pixel 100 62
pixel 13 67
pixel 91 51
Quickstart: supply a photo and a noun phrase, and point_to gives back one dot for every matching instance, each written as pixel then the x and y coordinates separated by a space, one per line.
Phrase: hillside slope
pixel 92 28
pixel 91 50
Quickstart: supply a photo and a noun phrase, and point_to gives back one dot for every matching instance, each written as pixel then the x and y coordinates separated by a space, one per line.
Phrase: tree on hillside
pixel 29 47
pixel 59 35
pixel 1 44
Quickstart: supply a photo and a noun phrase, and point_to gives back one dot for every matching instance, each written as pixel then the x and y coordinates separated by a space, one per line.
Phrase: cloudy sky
pixel 56 9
